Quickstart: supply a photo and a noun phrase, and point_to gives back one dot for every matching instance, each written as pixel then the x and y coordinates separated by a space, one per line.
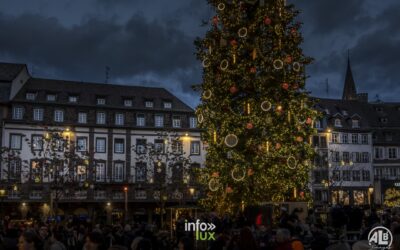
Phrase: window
pixel 346 157
pixel 355 123
pixel 73 98
pixel 128 103
pixel 36 171
pixel 148 104
pixel 101 118
pixel 336 175
pixel 193 122
pixel 101 101
pixel 195 147
pixel 100 171
pixel 38 114
pixel 317 124
pixel 100 145
pixel 15 169
pixel 338 123
pixel 159 145
pixel 354 138
pixel 167 105
pixel 37 142
pixel 365 157
pixel 356 157
pixel 81 172
pixel 119 146
pixel 345 138
pixel 15 141
pixel 58 115
pixel 364 138
pixel 140 194
pixel 177 147
pixel 323 142
pixel 118 172
pixel 81 144
pixel 159 121
pixel 366 175
pixel 82 117
pixel 378 153
pixel 335 156
pixel 51 97
pixel 335 138
pixel 176 122
pixel 356 175
pixel 18 113
pixel 140 120
pixel 119 119
pixel 346 175
pixel 392 153
pixel 141 172
pixel 30 96
pixel 141 146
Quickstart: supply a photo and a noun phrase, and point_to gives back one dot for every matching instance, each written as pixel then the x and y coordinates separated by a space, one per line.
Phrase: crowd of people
pixel 344 228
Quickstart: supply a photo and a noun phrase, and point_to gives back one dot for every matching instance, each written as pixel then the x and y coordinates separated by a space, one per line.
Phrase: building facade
pixel 114 130
pixel 357 149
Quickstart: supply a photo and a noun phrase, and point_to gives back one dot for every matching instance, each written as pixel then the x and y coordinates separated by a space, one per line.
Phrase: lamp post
pixel 370 195
pixel 2 195
pixel 126 202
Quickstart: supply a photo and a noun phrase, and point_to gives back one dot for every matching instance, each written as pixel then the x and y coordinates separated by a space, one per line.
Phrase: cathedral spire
pixel 349 90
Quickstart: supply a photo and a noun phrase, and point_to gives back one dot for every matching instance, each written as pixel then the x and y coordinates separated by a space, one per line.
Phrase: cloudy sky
pixel 150 42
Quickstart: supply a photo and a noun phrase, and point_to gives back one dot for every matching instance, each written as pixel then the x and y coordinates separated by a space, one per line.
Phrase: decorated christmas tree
pixel 255 112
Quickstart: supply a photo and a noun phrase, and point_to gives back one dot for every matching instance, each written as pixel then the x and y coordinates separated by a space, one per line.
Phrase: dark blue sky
pixel 150 42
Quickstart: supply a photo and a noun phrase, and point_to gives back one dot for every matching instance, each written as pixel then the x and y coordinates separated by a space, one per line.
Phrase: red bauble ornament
pixel 228 190
pixel 302 194
pixel 215 175
pixel 234 43
pixel 293 31
pixel 233 89
pixel 309 121
pixel 215 20
pixel 249 125
pixel 299 139
pixel 267 20
pixel 285 86
pixel 288 59
pixel 253 70
pixel 278 146
pixel 250 172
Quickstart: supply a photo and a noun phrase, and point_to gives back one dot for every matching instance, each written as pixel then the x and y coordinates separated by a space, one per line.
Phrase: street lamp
pixel 370 193
pixel 126 202
pixel 2 195
pixel 191 191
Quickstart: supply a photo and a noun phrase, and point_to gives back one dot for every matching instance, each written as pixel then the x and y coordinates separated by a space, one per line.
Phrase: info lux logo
pixel 203 231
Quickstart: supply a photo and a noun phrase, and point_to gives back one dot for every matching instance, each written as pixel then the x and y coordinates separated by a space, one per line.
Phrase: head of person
pixel 282 235
pixel 29 241
pixel 43 232
pixel 93 241
pixel 185 243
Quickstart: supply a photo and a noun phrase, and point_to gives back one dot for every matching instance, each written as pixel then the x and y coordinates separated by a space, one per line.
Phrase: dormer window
pixel 338 123
pixel 167 105
pixel 148 104
pixel 51 97
pixel 128 103
pixel 327 111
pixel 73 98
pixel 31 96
pixel 317 124
pixel 101 101
pixel 355 123
pixel 344 112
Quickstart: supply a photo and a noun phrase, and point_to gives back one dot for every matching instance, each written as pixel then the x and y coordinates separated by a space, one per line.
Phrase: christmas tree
pixel 255 112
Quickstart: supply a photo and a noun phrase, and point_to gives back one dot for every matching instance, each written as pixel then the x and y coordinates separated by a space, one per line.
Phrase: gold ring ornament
pixel 214 185
pixel 238 174
pixel 224 64
pixel 200 118
pixel 278 64
pixel 296 66
pixel 242 32
pixel 221 6
pixel 291 162
pixel 231 140
pixel 207 94
pixel 266 106
pixel 206 63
